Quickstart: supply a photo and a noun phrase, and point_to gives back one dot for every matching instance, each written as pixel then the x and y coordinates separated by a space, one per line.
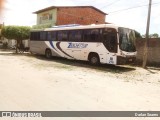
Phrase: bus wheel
pixel 48 53
pixel 94 59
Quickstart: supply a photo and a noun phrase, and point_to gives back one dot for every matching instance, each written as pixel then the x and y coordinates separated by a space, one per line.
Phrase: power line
pixel 133 7
pixel 110 4
pixel 127 9
pixel 85 2
pixel 89 17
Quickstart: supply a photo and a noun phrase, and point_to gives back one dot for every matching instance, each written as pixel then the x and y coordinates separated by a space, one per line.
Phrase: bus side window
pixel 75 35
pixel 32 36
pixel 43 35
pixel 71 36
pixel 38 36
pixel 86 35
pixel 95 35
pixel 35 36
pixel 62 35
pixel 91 35
pixel 112 42
pixel 51 36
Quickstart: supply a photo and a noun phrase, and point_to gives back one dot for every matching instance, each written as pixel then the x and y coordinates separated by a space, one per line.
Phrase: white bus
pixel 104 43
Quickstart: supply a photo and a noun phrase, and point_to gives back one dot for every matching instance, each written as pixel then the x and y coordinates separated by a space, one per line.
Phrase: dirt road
pixel 33 83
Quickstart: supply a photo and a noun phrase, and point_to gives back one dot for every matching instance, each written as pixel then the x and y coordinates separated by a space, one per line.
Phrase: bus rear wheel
pixel 94 59
pixel 48 53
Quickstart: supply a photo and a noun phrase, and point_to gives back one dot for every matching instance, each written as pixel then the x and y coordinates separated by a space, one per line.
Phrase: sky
pixel 127 13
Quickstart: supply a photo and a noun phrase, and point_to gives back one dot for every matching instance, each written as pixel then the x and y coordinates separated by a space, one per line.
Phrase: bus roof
pixel 74 27
pixel 77 27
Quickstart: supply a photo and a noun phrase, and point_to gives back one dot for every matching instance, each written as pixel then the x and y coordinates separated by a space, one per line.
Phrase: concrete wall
pixel 11 43
pixel 83 16
pixel 153 51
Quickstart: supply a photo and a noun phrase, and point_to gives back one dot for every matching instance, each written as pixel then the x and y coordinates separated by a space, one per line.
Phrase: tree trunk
pixel 17 47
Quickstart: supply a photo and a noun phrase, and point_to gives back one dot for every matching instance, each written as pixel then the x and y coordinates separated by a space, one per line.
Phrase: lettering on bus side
pixel 77 45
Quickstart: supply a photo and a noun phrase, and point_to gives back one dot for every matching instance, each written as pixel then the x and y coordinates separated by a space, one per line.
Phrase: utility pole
pixel 145 55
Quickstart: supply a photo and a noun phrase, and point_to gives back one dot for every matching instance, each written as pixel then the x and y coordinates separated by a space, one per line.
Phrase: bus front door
pixel 110 42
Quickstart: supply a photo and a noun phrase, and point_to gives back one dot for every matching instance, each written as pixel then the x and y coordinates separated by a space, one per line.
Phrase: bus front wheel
pixel 48 53
pixel 94 59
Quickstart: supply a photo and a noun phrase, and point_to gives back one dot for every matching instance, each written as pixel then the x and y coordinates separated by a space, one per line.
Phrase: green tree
pixel 41 26
pixel 18 33
pixel 155 35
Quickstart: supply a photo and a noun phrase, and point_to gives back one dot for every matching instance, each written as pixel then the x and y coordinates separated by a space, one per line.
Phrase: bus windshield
pixel 127 39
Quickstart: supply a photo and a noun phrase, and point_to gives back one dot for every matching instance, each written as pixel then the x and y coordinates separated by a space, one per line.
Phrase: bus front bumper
pixel 126 60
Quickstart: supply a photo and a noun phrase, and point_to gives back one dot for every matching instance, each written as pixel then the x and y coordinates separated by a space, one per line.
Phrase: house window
pixel 50 17
pixel 47 16
pixel 40 20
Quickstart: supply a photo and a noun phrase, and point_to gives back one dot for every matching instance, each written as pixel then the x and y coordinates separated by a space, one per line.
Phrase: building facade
pixel 61 15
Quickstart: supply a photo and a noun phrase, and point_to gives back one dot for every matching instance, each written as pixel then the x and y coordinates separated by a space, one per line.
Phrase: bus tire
pixel 94 59
pixel 48 53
